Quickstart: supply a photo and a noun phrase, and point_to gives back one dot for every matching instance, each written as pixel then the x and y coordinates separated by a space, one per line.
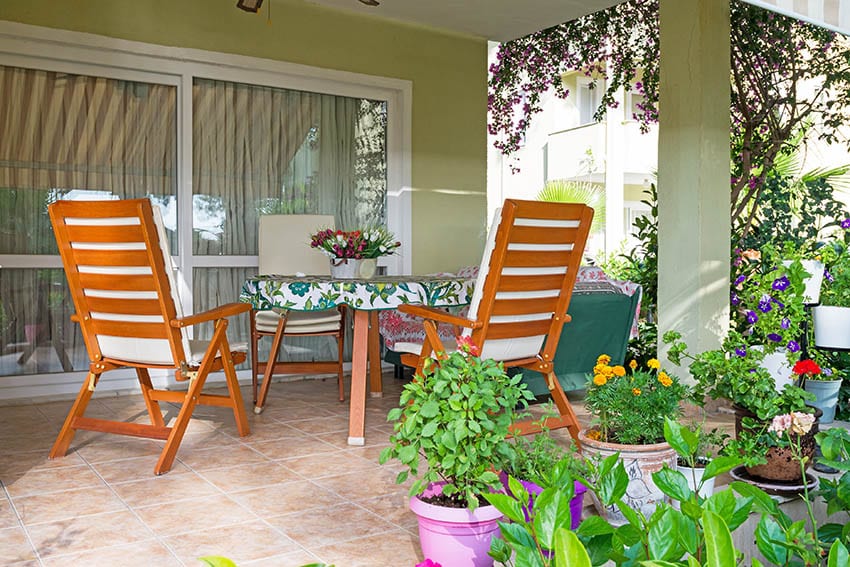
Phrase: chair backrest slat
pixel 119 272
pixel 527 276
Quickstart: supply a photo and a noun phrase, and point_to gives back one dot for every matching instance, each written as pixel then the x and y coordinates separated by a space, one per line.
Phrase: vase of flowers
pixel 629 406
pixel 355 253
pixel 455 417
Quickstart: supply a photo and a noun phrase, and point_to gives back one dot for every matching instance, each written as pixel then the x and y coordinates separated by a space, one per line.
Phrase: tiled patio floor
pixel 291 493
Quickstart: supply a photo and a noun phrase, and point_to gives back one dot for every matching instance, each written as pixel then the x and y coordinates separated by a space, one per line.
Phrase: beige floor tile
pixel 241 543
pixel 28 442
pixel 333 524
pixel 148 552
pixel 360 486
pixel 163 489
pixel 286 498
pixel 193 515
pixel 8 517
pixel 321 425
pixel 253 475
pixel 85 534
pixel 287 412
pixel 270 430
pixel 220 457
pixel 112 448
pixel 394 508
pixel 18 463
pixel 293 447
pixel 284 560
pixel 396 547
pixel 15 547
pixel 56 506
pixel 137 468
pixel 328 464
pixel 51 480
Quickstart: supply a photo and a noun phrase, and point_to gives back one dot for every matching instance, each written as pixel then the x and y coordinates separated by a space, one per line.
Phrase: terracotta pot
pixel 640 462
pixel 781 465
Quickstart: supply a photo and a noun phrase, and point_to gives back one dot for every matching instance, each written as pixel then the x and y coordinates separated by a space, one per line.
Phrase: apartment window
pixel 589 99
pixel 634 101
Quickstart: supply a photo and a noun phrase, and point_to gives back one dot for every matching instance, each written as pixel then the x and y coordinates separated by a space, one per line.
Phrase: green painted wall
pixel 448 72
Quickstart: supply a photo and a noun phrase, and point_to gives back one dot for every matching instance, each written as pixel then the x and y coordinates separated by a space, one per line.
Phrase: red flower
pixel 806 366
pixel 465 344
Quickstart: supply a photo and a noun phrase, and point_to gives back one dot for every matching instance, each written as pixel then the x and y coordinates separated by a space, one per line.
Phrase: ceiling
pixel 496 20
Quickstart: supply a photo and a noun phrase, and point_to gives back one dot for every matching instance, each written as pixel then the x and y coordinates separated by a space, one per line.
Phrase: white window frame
pixel 36 47
pixel 583 91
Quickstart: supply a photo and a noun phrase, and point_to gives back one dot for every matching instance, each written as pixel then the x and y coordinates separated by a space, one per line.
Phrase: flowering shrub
pixel 372 242
pixel 629 405
pixel 835 289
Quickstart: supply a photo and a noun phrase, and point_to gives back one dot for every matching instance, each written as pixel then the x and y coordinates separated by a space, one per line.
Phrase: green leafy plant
pixel 699 445
pixel 629 406
pixel 566 191
pixel 457 416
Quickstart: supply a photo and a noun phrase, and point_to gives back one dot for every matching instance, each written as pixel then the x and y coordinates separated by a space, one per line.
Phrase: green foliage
pixel 541 460
pixel 218 561
pixel 456 415
pixel 629 406
pixel 566 191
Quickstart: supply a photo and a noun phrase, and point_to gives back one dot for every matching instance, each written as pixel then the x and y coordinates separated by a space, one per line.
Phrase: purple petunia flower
pixel 740 279
pixel 828 276
pixel 793 346
pixel 764 303
pixel 785 323
pixel 774 337
pixel 845 223
pixel 751 316
pixel 741 351
pixel 781 284
pixel 777 303
pixel 734 299
pixel 826 371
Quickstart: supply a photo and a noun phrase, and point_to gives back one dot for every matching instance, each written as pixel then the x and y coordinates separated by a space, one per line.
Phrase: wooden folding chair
pixel 521 297
pixel 119 272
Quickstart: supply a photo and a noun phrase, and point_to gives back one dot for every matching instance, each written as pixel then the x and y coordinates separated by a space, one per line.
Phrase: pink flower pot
pixel 576 502
pixel 455 537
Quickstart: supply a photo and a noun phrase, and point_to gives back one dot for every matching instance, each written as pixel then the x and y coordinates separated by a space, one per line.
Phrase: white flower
pixel 795 422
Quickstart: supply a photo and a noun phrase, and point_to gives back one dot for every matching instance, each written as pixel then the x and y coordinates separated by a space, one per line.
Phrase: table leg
pixel 375 387
pixel 357 404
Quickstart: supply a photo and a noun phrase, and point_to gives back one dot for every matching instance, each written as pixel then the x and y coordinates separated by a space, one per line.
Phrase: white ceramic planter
pixel 776 363
pixel 831 326
pixel 815 269
pixel 349 268
pixel 694 477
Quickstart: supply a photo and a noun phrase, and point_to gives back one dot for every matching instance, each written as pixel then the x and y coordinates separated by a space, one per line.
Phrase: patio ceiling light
pixel 249 5
pixel 370 2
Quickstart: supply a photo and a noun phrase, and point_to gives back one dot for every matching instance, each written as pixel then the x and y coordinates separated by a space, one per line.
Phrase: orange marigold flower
pixel 600 380
pixel 593 434
pixel 633 364
pixel 619 371
pixel 653 363
pixel 636 391
pixel 603 359
pixel 665 380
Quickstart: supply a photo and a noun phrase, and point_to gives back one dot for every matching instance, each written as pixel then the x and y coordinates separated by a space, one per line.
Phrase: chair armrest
pixel 439 315
pixel 227 310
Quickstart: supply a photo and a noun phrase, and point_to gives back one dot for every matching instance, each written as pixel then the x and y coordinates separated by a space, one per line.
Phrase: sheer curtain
pixel 260 150
pixel 68 136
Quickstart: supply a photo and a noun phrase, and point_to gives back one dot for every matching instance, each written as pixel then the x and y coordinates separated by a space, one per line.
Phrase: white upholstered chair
pixel 521 297
pixel 284 249
pixel 118 265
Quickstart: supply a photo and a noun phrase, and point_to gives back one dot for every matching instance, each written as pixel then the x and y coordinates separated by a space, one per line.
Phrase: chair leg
pixel 153 406
pixel 273 354
pixel 567 418
pixel 233 387
pixel 339 351
pixel 255 360
pixel 66 434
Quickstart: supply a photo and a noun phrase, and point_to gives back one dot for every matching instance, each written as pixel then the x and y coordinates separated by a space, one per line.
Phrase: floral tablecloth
pixel 315 293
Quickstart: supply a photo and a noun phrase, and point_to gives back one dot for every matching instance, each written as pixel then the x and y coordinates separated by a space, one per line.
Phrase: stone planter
pixel 640 462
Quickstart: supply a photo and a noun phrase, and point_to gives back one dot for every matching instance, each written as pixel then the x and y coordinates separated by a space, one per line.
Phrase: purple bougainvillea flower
pixel 828 276
pixel 741 351
pixel 781 284
pixel 734 299
pixel 774 337
pixel 785 323
pixel 751 316
pixel 765 303
pixel 845 223
pixel 740 279
pixel 793 346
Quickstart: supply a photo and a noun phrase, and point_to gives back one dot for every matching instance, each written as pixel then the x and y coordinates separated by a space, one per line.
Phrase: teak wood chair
pixel 118 266
pixel 519 305
pixel 285 249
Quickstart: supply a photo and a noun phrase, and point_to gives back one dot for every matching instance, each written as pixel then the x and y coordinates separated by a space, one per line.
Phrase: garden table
pixel 366 297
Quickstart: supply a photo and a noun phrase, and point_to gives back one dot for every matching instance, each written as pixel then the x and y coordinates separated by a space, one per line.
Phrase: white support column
pixel 693 172
pixel 615 177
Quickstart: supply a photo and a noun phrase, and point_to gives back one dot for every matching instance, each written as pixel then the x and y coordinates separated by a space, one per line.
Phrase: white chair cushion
pixel 300 322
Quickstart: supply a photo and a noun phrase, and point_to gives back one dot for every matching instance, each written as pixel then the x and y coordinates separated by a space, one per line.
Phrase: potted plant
pixel 734 372
pixel 831 319
pixel 629 408
pixel 823 383
pixel 697 450
pixel 355 253
pixel 456 416
pixel 538 463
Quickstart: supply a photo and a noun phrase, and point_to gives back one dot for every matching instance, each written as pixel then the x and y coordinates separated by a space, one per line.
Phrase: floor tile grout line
pixel 21 523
